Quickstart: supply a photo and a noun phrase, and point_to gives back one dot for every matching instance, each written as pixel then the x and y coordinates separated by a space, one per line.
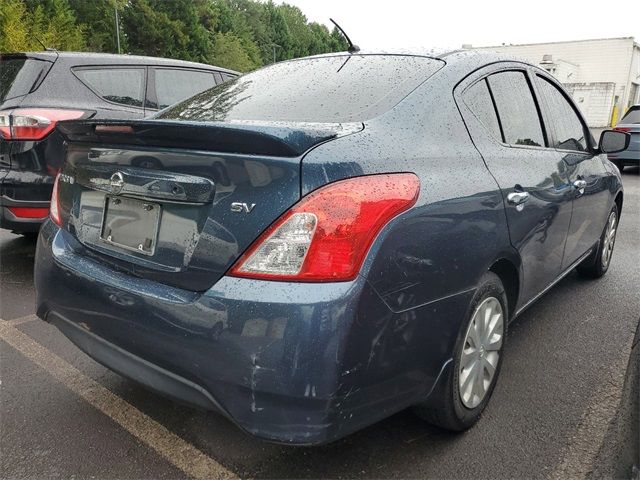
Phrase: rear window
pixel 339 88
pixel 478 98
pixel 632 116
pixel 118 85
pixel 173 85
pixel 516 109
pixel 18 76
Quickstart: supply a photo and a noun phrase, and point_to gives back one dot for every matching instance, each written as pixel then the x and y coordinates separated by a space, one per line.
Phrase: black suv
pixel 39 89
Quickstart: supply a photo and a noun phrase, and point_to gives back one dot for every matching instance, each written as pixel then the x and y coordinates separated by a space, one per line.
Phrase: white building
pixel 603 76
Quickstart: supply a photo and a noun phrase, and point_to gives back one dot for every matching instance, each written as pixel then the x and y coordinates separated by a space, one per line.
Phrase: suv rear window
pixel 18 76
pixel 173 85
pixel 118 85
pixel 339 88
pixel 632 116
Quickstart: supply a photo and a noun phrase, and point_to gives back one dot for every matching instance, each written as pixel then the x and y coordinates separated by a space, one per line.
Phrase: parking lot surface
pixel 556 411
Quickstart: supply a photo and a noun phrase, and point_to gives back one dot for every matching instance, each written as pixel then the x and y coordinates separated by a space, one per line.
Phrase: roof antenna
pixel 352 48
pixel 46 49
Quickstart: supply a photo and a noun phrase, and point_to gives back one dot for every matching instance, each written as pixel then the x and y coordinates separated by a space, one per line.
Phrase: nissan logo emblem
pixel 116 182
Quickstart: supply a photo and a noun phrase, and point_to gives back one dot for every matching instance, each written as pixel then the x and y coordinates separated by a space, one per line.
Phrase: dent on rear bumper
pixel 289 362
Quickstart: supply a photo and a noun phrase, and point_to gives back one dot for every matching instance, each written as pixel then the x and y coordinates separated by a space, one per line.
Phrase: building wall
pixel 594 100
pixel 635 77
pixel 613 61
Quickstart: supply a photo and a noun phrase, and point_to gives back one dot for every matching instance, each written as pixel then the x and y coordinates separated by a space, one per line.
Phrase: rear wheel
pixel 477 361
pixel 597 264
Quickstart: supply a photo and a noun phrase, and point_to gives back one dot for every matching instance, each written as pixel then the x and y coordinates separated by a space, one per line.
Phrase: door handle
pixel 580 184
pixel 517 198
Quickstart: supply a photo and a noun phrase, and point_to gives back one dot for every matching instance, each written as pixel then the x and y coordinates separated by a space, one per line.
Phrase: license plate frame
pixel 133 215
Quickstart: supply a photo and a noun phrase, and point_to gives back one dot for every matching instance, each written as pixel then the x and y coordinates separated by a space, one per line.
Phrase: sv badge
pixel 240 207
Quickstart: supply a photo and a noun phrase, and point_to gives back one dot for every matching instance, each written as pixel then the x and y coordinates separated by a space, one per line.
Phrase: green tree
pixel 99 17
pixel 25 24
pixel 152 32
pixel 229 52
pixel 238 34
pixel 14 32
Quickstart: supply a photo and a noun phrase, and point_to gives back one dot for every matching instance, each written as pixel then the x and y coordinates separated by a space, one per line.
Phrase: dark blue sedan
pixel 319 244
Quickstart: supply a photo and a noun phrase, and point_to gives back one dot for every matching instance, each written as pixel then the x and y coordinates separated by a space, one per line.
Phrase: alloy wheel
pixel 481 352
pixel 609 239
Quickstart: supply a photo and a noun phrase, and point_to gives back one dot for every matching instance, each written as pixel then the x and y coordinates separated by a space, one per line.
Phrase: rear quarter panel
pixel 426 263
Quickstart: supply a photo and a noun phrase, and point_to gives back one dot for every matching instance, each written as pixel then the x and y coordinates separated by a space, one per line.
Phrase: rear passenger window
pixel 516 109
pixel 118 85
pixel 569 131
pixel 174 85
pixel 478 99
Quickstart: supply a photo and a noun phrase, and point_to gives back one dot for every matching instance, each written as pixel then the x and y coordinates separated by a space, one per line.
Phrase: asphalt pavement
pixel 565 404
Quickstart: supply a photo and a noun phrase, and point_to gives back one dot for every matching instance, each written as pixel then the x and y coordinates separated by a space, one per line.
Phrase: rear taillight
pixel 622 129
pixel 54 208
pixel 326 235
pixel 33 123
pixel 29 212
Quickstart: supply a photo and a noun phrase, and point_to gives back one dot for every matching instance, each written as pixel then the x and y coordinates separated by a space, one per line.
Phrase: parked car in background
pixel 326 241
pixel 630 123
pixel 39 89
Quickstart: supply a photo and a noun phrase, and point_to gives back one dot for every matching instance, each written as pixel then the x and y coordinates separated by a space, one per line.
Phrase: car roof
pixel 472 59
pixel 91 58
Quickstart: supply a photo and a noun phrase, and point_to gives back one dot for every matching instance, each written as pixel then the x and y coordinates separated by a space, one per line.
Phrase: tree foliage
pixel 26 25
pixel 237 34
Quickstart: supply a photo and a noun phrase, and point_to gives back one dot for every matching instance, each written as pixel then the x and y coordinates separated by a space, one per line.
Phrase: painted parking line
pixel 177 451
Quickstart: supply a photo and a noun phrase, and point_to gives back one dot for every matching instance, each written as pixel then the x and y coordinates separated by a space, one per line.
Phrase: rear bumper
pixel 24 190
pixel 9 221
pixel 291 363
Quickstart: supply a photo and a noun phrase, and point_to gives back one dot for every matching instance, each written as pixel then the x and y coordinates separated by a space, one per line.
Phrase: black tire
pixel 448 411
pixel 595 266
pixel 31 236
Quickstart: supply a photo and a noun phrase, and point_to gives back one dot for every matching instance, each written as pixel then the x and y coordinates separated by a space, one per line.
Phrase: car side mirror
pixel 613 141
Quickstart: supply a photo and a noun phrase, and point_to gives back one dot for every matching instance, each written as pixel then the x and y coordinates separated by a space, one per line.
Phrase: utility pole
pixel 273 46
pixel 117 29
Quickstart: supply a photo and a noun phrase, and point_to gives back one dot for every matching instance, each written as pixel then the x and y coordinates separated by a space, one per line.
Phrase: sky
pixel 447 24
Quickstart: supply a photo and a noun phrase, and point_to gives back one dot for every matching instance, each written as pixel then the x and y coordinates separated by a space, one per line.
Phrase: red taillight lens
pixel 326 235
pixel 54 208
pixel 33 123
pixel 29 212
pixel 622 129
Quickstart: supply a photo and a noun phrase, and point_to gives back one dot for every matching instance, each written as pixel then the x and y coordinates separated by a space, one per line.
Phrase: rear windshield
pixel 340 88
pixel 632 116
pixel 19 75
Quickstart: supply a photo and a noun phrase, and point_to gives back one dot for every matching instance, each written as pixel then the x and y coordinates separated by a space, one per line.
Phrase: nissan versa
pixel 326 241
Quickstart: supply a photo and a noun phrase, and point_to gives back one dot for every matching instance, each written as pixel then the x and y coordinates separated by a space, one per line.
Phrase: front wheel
pixel 597 264
pixel 476 363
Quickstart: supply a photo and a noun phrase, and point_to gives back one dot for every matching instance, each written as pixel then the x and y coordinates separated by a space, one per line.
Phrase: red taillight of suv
pixel 622 129
pixel 327 234
pixel 33 123
pixel 29 212
pixel 54 208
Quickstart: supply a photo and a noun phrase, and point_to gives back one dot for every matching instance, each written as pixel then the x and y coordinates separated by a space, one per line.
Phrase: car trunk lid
pixel 179 202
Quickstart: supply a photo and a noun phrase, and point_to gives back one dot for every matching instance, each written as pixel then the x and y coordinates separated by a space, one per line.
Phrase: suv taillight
pixel 327 234
pixel 33 123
